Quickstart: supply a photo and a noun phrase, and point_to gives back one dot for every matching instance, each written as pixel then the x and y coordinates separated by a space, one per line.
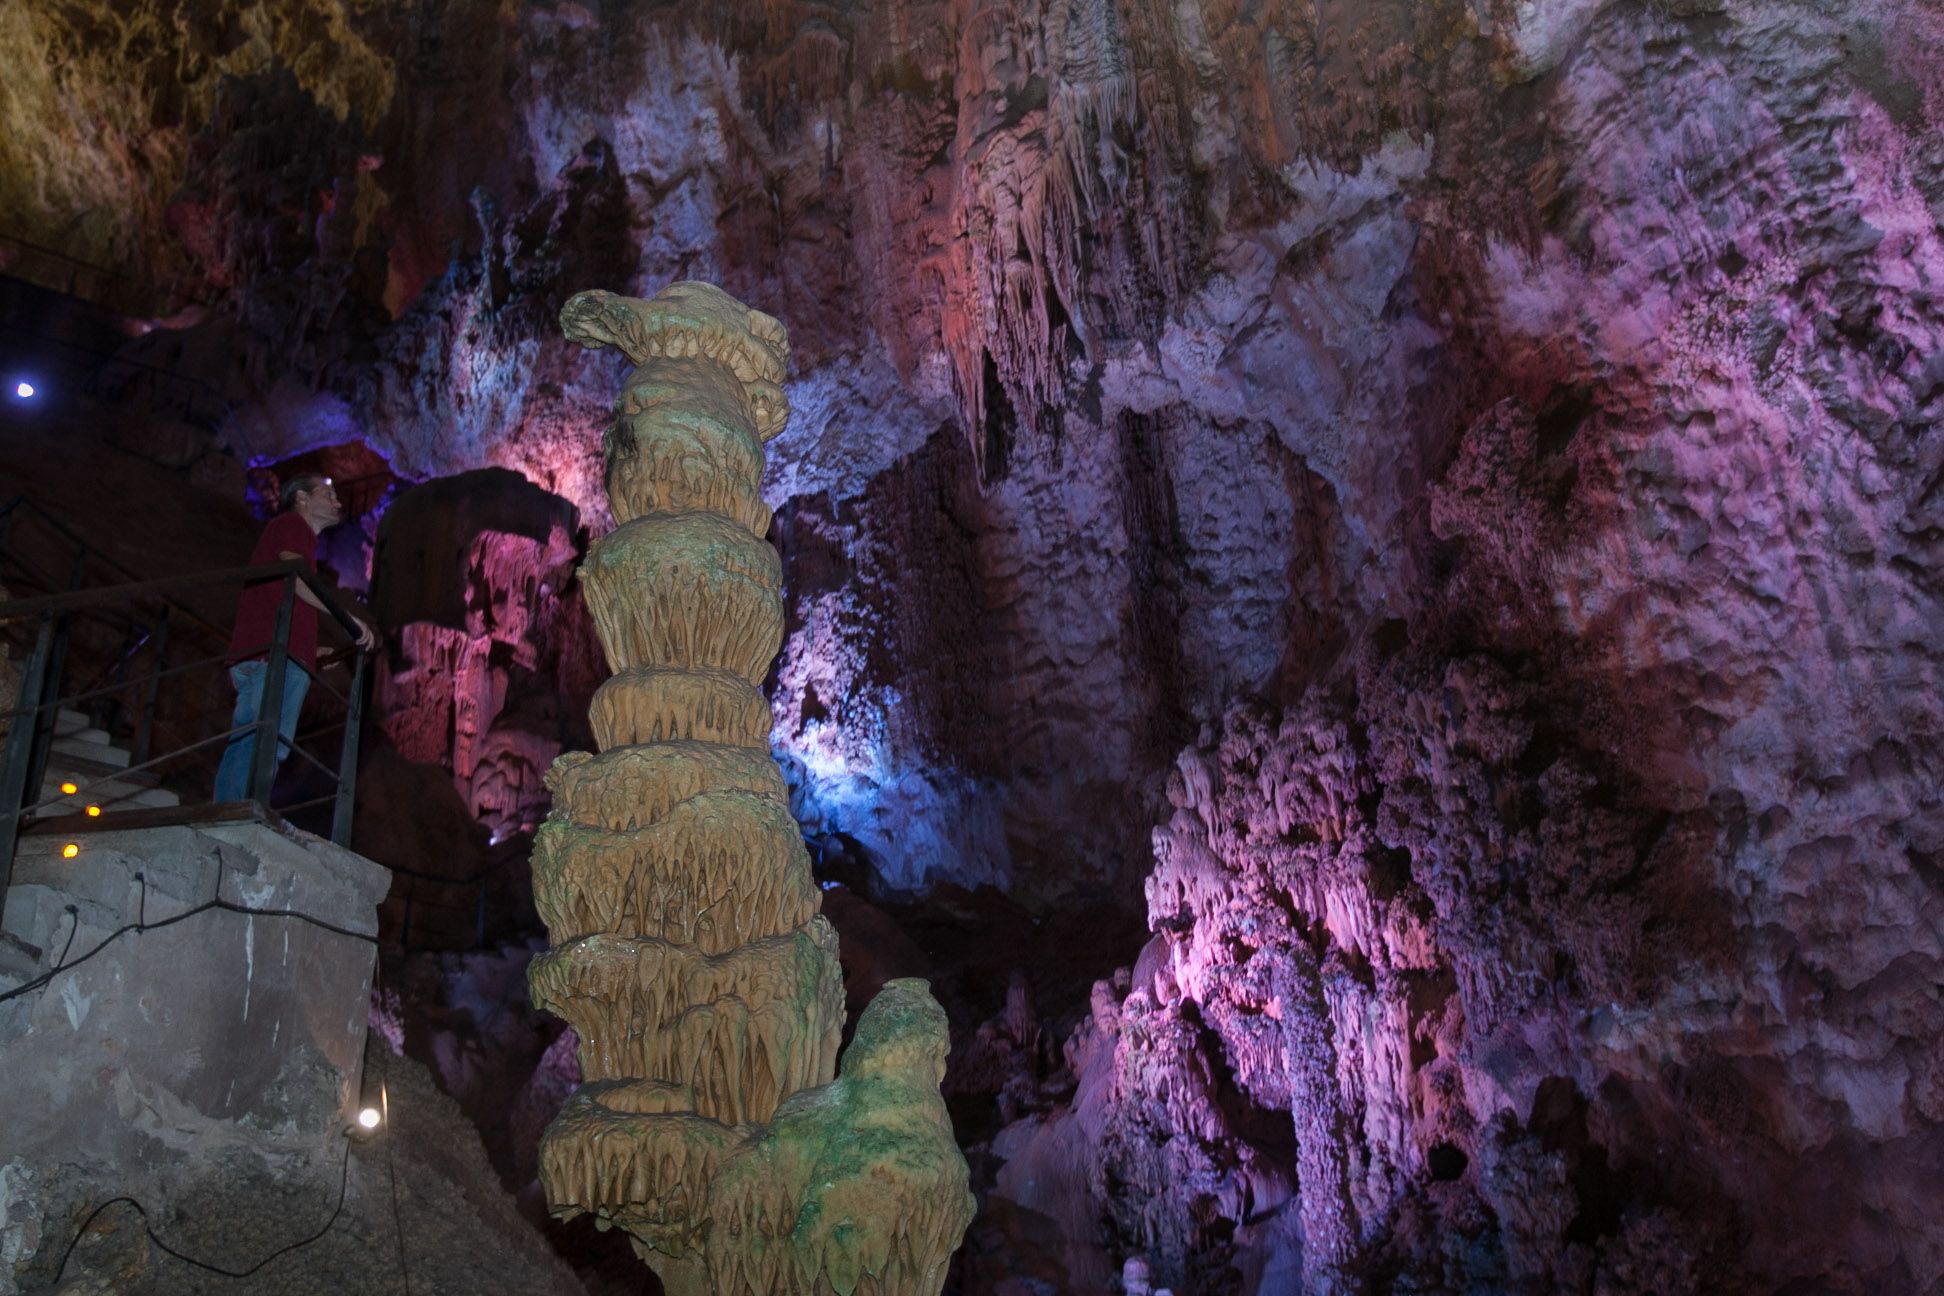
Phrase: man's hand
pixel 367 637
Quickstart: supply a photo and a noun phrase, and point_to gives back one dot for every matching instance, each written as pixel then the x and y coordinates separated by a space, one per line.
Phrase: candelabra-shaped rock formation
pixel 688 951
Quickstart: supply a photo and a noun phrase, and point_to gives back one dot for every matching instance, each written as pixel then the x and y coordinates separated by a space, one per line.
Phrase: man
pixel 309 504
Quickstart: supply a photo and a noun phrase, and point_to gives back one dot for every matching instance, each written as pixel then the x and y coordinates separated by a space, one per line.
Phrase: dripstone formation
pixel 688 951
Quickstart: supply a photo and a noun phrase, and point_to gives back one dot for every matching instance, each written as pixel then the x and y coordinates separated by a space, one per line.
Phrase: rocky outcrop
pixel 493 659
pixel 688 954
pixel 1505 909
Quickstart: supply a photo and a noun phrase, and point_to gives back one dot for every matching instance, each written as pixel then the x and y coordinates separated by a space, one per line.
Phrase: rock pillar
pixel 688 951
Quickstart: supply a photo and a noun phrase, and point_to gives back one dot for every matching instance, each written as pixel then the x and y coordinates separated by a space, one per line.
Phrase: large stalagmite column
pixel 688 951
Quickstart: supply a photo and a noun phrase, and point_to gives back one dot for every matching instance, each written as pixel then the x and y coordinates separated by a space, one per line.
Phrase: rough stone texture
pixel 422 1212
pixel 222 1037
pixel 493 659
pixel 688 955
pixel 852 1186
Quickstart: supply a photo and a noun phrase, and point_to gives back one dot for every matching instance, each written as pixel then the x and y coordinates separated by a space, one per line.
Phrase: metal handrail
pixel 88 550
pixel 297 749
pixel 477 884
pixel 126 770
pixel 40 701
pixel 89 695
pixel 14 609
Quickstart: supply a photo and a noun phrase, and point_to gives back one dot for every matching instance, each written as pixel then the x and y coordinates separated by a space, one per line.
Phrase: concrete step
pixel 71 724
pixel 67 763
pixel 106 791
pixel 101 753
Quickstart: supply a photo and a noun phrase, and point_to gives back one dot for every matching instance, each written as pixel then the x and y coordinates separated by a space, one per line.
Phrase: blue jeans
pixel 233 775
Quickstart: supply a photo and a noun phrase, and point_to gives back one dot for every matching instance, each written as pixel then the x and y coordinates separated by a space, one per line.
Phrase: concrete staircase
pixel 88 759
pixel 57 903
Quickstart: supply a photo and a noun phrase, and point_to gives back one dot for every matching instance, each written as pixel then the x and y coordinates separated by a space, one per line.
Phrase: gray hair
pixel 302 484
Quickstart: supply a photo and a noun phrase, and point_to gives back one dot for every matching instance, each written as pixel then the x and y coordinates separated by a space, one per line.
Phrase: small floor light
pixel 69 789
pixel 94 812
pixel 368 1118
pixel 70 850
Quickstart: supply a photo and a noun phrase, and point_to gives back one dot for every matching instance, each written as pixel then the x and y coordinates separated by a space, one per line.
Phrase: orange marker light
pixel 70 850
pixel 69 789
pixel 94 811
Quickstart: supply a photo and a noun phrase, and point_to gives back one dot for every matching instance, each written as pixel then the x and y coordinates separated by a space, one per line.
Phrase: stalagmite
pixel 688 951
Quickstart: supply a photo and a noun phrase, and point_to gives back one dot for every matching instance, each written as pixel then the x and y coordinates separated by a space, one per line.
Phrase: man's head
pixel 312 498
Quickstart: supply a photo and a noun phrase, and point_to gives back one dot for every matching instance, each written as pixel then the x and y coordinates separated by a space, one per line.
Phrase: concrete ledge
pixel 147 1060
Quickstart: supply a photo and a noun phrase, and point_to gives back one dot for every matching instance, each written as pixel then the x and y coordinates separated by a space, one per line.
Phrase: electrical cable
pixel 42 981
pixel 142 925
pixel 344 1181
pixel 74 925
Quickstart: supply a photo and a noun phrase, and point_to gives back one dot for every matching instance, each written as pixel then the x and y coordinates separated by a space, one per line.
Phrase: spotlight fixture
pixel 368 1118
pixel 69 789
pixel 70 850
pixel 24 390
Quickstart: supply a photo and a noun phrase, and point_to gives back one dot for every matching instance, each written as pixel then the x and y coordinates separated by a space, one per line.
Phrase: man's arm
pixel 367 637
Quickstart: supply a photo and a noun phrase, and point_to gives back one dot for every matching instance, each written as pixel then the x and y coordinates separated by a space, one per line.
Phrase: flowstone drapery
pixel 688 951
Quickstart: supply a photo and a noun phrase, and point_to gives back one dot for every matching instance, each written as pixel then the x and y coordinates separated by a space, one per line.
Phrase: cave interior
pixel 1361 591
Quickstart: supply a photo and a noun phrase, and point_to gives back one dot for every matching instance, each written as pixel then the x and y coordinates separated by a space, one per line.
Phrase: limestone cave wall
pixel 1439 502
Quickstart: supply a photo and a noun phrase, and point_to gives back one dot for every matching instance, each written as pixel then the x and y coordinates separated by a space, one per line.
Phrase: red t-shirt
pixel 256 614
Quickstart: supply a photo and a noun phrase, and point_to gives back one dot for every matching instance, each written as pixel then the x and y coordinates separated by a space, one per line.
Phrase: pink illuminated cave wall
pixel 491 659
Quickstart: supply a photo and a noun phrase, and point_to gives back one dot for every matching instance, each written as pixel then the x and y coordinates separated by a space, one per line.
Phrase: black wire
pixel 142 925
pixel 41 982
pixel 344 1180
pixel 74 925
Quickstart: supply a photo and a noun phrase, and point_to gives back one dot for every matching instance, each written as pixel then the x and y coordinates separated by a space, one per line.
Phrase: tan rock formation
pixel 648 706
pixel 689 954
pixel 739 1030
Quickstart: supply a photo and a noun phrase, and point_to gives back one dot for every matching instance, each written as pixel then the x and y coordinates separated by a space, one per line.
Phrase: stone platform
pixel 208 1038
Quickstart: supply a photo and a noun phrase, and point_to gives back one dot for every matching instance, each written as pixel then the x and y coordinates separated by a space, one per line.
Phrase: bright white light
pixel 368 1118
pixel 24 390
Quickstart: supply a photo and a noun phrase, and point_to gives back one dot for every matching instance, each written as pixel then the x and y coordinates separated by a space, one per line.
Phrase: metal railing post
pixel 347 788
pixel 51 685
pixel 48 717
pixel 21 734
pixel 159 642
pixel 263 761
